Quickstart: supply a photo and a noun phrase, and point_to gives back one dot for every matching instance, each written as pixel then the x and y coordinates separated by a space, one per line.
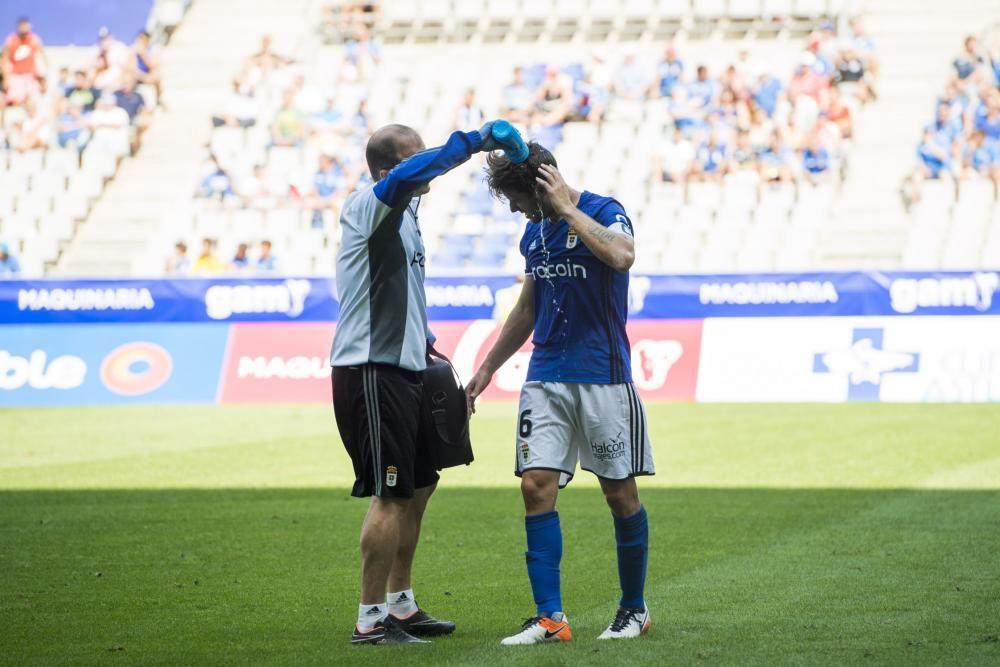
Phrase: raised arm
pixel 398 185
pixel 516 329
pixel 616 249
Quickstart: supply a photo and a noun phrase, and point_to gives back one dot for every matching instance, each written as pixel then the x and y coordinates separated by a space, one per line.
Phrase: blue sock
pixel 543 556
pixel 632 536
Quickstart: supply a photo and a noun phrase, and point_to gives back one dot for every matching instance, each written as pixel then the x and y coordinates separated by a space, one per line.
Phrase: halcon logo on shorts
pixel 974 291
pixel 609 449
pixel 287 297
pixel 390 476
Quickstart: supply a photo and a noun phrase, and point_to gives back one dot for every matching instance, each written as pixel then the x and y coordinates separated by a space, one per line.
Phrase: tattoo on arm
pixel 602 234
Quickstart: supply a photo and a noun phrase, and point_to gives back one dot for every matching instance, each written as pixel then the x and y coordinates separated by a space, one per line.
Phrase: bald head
pixel 389 146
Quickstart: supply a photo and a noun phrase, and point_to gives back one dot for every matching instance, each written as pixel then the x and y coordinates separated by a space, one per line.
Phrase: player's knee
pixel 538 491
pixel 623 499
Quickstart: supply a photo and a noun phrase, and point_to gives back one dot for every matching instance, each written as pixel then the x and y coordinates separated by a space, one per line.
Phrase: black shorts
pixel 378 416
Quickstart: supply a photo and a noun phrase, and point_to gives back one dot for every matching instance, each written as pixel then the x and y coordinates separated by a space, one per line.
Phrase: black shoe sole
pixel 433 630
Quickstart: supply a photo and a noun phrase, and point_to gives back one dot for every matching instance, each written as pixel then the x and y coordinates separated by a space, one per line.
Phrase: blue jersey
pixel 581 303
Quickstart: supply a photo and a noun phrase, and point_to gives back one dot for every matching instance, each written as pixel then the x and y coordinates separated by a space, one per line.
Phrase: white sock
pixel 370 614
pixel 402 604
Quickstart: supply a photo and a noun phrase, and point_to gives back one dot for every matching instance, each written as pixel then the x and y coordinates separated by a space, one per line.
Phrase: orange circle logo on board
pixel 138 368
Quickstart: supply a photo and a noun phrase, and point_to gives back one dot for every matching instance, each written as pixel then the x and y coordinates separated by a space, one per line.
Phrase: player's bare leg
pixel 402 604
pixel 631 534
pixel 379 545
pixel 540 488
pixel 409 535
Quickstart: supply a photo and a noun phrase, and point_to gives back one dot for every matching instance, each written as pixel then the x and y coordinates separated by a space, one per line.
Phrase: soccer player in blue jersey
pixel 578 404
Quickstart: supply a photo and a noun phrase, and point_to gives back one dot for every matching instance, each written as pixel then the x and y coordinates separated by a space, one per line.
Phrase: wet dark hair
pixel 504 176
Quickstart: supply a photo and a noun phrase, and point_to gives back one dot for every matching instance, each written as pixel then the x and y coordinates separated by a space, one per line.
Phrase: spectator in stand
pixel 632 79
pixel 240 261
pixel 815 160
pixel 468 113
pixel 65 82
pixel 208 263
pixel 776 160
pixel 266 262
pixel 289 126
pixel 669 73
pixel 178 263
pixel 72 126
pixel 240 109
pixel 674 160
pixel 766 93
pixel 35 130
pixel 862 44
pixel 970 59
pixel 139 115
pixel 330 186
pixel 987 117
pixel 216 183
pixel 806 80
pixel 591 100
pixel 839 113
pixel 9 266
pixel 83 92
pixel 329 121
pixel 360 121
pixel 710 161
pixel 24 63
pixel 517 105
pixel 743 159
pixel 934 153
pixel 254 190
pixel 553 100
pixel 703 90
pixel 306 97
pixel 363 53
pixel 109 125
pixel 851 76
pixel 981 159
pixel 147 64
pixel 116 58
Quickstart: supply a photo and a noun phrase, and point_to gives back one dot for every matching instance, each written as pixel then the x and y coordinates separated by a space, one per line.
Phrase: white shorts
pixel 600 426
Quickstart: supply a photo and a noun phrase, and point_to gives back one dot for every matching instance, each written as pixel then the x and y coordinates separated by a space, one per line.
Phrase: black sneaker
pixel 386 631
pixel 422 624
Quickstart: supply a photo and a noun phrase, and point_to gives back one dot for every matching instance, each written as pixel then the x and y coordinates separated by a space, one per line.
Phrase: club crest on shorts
pixel 390 476
pixel 524 452
pixel 571 239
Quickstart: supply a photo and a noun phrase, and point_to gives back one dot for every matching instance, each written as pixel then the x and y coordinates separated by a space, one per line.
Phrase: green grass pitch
pixel 791 534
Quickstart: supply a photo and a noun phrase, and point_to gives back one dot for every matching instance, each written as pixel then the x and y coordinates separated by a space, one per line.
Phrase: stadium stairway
pixel 916 41
pixel 121 223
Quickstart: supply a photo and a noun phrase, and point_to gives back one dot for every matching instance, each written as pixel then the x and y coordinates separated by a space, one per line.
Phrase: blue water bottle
pixel 514 147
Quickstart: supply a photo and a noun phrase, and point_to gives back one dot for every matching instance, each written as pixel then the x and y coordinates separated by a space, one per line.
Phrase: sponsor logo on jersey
pixel 390 476
pixel 974 291
pixel 287 297
pixel 118 298
pixel 418 259
pixel 567 269
pixel 291 368
pixel 610 448
pixel 38 372
pixel 756 293
pixel 571 239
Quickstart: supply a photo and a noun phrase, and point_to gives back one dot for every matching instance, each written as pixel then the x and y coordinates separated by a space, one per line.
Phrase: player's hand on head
pixel 552 186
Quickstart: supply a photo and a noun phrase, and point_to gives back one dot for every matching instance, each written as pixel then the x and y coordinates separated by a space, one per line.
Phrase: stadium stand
pixel 68 117
pixel 953 189
pixel 286 148
pixel 787 146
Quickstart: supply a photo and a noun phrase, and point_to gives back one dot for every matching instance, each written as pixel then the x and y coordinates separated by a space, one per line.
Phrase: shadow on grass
pixel 749 576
